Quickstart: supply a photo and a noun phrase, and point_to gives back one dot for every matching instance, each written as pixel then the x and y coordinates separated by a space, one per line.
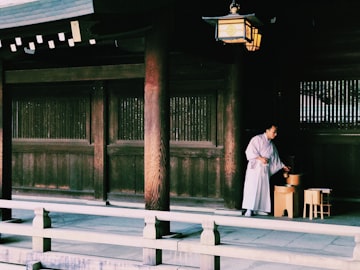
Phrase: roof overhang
pixel 28 12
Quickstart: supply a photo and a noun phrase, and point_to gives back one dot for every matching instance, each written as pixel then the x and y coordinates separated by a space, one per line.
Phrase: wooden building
pixel 144 102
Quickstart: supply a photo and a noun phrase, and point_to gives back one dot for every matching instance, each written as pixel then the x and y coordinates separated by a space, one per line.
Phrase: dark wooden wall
pixel 53 168
pixel 332 160
pixel 67 166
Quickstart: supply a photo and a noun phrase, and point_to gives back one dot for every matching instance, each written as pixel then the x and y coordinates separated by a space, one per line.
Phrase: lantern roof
pixel 250 17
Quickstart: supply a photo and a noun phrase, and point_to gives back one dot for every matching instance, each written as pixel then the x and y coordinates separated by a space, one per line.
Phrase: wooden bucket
pixel 293 179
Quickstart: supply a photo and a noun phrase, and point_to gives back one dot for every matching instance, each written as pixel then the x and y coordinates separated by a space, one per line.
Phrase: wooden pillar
pixel 286 68
pixel 232 137
pixel 99 133
pixel 5 146
pixel 156 138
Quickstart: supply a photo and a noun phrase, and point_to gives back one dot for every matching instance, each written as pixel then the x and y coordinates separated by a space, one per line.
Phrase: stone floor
pixel 344 214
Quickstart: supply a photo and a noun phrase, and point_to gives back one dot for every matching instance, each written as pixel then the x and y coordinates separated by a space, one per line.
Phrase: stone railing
pixel 209 247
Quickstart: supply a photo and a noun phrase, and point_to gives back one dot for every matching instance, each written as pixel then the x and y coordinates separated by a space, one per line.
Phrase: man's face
pixel 271 133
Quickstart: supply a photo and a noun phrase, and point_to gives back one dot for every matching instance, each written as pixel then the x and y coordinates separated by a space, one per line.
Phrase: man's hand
pixel 263 160
pixel 286 168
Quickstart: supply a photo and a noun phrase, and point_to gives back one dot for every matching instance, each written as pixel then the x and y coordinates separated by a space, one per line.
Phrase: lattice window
pixel 131 118
pixel 190 118
pixel 330 104
pixel 49 117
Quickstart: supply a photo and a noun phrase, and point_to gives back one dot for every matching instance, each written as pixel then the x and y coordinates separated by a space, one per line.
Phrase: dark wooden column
pixel 288 68
pixel 232 137
pixel 5 146
pixel 156 141
pixel 99 133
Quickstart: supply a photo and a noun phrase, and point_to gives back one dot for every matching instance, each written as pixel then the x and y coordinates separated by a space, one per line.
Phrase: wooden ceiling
pixel 119 27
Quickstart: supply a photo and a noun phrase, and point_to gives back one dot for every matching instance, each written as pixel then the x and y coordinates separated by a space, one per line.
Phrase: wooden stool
pixel 283 200
pixel 313 198
pixel 325 197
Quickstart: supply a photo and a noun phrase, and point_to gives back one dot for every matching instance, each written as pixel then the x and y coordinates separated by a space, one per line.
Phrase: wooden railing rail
pixel 210 247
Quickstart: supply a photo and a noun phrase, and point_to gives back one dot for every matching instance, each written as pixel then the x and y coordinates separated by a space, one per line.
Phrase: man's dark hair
pixel 270 125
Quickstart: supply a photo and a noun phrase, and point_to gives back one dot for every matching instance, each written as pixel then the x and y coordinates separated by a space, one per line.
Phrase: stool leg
pixel 278 204
pixel 311 211
pixel 290 204
pixel 321 212
pixel 290 213
pixel 304 211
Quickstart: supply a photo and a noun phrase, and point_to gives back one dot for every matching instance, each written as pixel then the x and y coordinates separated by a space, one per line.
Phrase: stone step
pixel 8 266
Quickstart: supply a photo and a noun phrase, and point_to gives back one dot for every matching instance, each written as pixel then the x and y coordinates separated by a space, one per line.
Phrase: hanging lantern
pixel 235 28
pixel 254 45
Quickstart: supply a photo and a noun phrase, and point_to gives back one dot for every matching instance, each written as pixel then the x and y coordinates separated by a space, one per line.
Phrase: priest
pixel 263 162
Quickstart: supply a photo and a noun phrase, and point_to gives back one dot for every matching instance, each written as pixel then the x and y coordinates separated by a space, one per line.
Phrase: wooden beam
pixel 89 73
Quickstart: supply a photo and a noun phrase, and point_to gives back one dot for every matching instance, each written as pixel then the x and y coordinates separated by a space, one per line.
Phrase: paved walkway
pixel 322 244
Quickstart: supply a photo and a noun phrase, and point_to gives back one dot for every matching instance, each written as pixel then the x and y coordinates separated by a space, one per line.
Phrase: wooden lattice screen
pixel 190 118
pixel 66 118
pixel 49 117
pixel 330 104
pixel 131 118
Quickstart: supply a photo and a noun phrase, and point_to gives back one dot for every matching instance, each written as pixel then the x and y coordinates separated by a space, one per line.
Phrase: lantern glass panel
pixel 235 30
pixel 254 45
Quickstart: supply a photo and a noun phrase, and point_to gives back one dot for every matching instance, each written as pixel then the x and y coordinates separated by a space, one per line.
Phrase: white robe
pixel 256 194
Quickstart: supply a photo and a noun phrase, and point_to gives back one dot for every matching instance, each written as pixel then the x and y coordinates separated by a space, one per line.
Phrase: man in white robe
pixel 263 162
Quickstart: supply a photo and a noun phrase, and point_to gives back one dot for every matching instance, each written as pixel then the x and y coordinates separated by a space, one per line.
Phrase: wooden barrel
pixel 293 179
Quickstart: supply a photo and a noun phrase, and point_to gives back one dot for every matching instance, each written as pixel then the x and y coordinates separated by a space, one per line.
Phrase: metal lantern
pixel 235 28
pixel 254 45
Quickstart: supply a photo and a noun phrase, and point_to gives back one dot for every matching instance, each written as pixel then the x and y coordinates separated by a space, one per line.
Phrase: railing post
pixel 33 265
pixel 211 237
pixel 152 256
pixel 356 252
pixel 41 221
